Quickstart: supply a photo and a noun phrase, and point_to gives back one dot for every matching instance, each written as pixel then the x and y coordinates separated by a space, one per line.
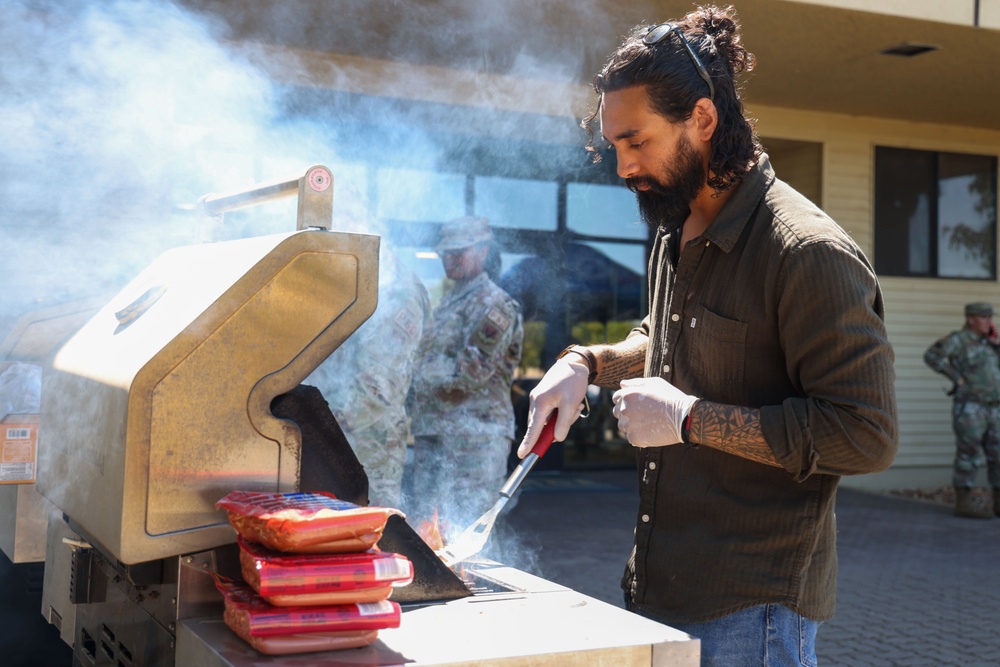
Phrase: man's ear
pixel 706 118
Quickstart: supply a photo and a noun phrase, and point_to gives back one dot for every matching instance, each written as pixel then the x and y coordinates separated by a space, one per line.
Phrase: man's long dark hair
pixel 674 85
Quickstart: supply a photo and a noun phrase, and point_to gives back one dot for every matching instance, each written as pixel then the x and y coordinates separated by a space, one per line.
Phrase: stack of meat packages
pixel 313 578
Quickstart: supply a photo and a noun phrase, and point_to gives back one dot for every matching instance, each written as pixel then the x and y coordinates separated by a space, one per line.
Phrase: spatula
pixel 474 538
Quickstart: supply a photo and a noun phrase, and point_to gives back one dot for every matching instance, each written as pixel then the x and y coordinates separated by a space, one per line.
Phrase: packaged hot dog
pixel 287 580
pixel 305 522
pixel 312 642
pixel 282 630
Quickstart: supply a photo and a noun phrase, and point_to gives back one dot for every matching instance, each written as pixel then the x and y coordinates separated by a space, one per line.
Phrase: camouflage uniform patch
pixel 490 331
pixel 410 320
pixel 496 316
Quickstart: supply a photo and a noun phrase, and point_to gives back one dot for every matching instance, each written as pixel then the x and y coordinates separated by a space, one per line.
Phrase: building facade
pixel 884 112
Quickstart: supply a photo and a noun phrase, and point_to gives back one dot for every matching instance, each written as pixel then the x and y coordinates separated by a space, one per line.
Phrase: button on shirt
pixel 773 307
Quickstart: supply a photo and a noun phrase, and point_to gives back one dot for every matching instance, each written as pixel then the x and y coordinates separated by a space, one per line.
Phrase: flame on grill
pixel 430 531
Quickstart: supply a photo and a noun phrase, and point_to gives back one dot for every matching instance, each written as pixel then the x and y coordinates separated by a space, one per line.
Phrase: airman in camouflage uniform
pixel 970 357
pixel 461 409
pixel 367 378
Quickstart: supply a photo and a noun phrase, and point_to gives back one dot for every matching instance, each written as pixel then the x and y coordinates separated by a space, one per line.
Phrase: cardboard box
pixel 19 453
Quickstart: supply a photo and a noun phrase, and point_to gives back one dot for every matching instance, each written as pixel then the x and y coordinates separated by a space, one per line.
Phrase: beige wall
pixel 918 311
pixel 799 163
pixel 960 12
pixel 989 14
pixel 957 12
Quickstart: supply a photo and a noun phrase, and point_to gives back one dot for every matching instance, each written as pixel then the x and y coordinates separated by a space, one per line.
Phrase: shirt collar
pixel 736 213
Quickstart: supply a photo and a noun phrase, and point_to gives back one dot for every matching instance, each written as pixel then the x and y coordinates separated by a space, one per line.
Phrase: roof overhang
pixel 809 55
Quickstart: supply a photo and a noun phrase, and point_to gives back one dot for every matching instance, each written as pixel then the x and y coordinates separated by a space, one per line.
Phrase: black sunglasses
pixel 658 33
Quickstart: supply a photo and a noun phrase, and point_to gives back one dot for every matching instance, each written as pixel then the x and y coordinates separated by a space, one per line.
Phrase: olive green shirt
pixel 774 307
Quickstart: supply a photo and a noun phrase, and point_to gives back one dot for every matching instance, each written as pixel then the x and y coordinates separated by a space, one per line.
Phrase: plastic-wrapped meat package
pixel 284 630
pixel 322 579
pixel 305 522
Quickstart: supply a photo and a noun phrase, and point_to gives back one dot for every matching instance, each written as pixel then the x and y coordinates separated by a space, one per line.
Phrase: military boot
pixel 964 505
pixel 996 500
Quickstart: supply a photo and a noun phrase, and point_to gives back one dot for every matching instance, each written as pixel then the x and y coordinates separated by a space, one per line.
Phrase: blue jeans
pixel 769 635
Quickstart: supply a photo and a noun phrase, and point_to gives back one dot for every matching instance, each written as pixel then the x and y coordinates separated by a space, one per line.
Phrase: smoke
pixel 117 115
pixel 101 105
pixel 114 115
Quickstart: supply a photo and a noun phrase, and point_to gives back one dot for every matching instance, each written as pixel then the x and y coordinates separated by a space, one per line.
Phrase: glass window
pixel 967 216
pixel 935 214
pixel 599 282
pixel 517 203
pixel 606 284
pixel 412 195
pixel 603 210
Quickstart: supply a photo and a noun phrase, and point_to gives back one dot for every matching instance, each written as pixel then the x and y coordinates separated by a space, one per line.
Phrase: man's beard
pixel 668 204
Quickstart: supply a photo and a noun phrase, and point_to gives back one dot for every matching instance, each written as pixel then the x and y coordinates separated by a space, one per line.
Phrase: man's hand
pixel 651 411
pixel 561 388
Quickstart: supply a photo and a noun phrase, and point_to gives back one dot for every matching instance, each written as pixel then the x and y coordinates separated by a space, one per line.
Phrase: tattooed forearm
pixel 732 429
pixel 620 362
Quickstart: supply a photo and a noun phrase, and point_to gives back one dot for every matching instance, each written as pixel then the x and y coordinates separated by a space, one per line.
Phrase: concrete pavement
pixel 917 586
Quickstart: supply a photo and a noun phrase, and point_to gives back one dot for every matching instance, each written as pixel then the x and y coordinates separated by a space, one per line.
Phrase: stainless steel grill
pixel 161 403
pixel 151 420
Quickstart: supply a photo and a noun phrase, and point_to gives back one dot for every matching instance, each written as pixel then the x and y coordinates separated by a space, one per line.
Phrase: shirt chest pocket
pixel 717 348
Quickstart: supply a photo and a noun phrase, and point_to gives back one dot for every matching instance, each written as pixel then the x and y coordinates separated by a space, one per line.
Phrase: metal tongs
pixel 474 538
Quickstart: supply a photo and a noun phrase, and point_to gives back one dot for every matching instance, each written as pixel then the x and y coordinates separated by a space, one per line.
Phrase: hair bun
pixel 722 28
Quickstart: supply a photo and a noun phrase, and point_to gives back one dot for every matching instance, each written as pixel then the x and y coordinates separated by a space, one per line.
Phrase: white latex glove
pixel 561 388
pixel 651 411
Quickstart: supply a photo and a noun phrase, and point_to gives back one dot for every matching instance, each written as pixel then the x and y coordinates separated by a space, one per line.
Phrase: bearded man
pixel 762 374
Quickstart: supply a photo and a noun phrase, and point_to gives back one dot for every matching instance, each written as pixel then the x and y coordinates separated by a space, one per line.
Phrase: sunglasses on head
pixel 658 33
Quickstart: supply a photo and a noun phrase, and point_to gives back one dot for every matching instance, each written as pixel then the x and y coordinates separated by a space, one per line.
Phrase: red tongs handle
pixel 546 437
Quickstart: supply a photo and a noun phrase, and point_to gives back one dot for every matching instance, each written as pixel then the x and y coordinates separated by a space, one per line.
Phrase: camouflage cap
pixel 464 232
pixel 978 308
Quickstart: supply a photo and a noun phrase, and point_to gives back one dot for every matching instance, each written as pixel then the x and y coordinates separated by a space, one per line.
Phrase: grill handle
pixel 314 190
